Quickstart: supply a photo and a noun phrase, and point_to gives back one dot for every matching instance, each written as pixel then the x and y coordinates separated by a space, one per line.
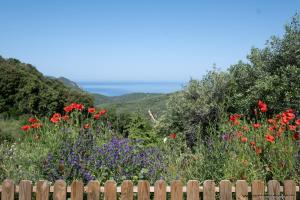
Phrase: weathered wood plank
pixel 176 190
pixel 60 190
pixel 77 190
pixel 290 190
pixel 93 190
pixel 209 192
pixel 110 190
pixel 8 190
pixel 274 190
pixel 42 190
pixel 127 190
pixel 193 190
pixel 25 190
pixel 160 190
pixel 143 190
pixel 258 190
pixel 241 190
pixel 225 190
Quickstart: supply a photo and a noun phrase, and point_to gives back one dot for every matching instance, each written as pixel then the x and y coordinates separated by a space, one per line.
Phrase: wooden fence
pixel 258 190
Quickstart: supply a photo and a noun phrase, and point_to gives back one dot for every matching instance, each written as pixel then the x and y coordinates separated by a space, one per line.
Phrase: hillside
pixel 24 90
pixel 135 102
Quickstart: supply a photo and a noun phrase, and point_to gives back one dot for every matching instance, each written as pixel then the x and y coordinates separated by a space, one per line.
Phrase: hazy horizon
pixel 137 40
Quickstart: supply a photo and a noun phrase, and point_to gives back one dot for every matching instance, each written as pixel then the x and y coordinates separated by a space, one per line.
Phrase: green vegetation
pixel 243 123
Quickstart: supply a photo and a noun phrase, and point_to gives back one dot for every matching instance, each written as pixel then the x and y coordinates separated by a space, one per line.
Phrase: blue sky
pixel 149 40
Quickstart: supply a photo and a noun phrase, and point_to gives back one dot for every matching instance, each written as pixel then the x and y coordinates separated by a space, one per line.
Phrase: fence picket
pixel 176 190
pixel 290 190
pixel 258 190
pixel 77 190
pixel 274 190
pixel 8 190
pixel 60 190
pixel 127 190
pixel 25 190
pixel 143 190
pixel 42 190
pixel 192 190
pixel 110 190
pixel 225 190
pixel 209 191
pixel 160 189
pixel 241 190
pixel 93 190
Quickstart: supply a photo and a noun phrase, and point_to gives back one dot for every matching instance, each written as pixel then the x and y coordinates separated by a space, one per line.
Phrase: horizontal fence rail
pixel 258 190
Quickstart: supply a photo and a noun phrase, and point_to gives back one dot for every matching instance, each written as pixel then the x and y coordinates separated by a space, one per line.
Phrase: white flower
pixel 165 139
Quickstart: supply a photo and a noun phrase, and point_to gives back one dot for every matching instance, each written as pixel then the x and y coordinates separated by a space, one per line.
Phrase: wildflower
pixel 36 125
pixel 296 136
pixel 97 116
pixel 258 150
pixel 86 126
pixel 91 110
pixel 269 138
pixel 165 139
pixel 298 122
pixel 25 128
pixel 252 143
pixel 79 107
pixel 56 115
pixel 32 120
pixel 239 133
pixel 102 112
pixel 271 121
pixel 256 125
pixel 173 135
pixel 272 128
pixel 244 139
pixel 236 123
pixel 54 119
pixel 262 106
pixel 292 127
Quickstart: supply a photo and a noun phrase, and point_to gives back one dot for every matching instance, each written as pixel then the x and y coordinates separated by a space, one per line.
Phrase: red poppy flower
pixel 102 112
pixel 298 122
pixel 86 126
pixel 25 128
pixel 232 118
pixel 36 125
pixel 56 115
pixel 244 139
pixel 292 127
pixel 262 106
pixel 258 150
pixel 97 116
pixel 54 119
pixel 91 110
pixel 252 143
pixel 32 120
pixel 256 125
pixel 173 135
pixel 271 121
pixel 296 136
pixel 272 128
pixel 270 138
pixel 79 107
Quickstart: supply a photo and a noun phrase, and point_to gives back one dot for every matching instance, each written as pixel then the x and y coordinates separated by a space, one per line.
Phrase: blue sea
pixel 121 88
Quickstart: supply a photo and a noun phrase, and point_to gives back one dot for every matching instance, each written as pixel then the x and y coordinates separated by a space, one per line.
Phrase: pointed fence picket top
pixel 42 190
pixel 225 190
pixel 60 190
pixel 110 190
pixel 192 190
pixel 258 190
pixel 8 190
pixel 25 190
pixel 209 190
pixel 127 190
pixel 274 190
pixel 143 190
pixel 93 190
pixel 160 190
pixel 289 189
